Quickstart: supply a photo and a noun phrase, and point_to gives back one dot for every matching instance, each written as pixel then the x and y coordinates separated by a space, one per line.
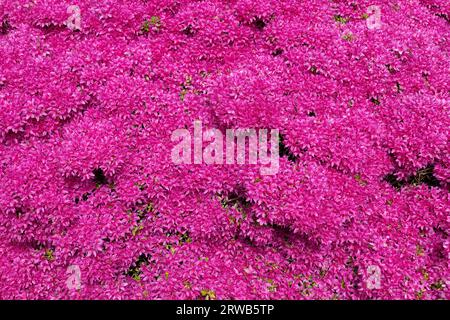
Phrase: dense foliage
pixel 86 177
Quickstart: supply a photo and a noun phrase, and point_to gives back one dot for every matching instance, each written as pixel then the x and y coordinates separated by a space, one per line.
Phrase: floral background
pixel 92 207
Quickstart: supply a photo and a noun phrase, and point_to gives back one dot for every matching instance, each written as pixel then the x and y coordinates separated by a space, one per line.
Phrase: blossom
pixel 86 118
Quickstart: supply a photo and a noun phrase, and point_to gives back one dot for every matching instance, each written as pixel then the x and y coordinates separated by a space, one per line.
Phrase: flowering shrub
pixel 358 210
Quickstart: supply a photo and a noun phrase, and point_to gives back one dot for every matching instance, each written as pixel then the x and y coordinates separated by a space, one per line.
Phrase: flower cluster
pixel 358 210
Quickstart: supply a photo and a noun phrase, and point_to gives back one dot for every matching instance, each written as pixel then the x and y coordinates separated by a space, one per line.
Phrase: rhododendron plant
pixel 93 207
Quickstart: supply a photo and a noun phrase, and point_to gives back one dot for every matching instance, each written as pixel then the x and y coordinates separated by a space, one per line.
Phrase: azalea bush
pixel 359 208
